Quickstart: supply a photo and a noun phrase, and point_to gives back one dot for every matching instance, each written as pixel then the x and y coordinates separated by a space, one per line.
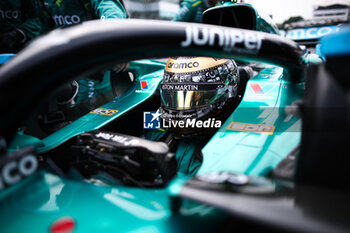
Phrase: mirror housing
pixel 240 15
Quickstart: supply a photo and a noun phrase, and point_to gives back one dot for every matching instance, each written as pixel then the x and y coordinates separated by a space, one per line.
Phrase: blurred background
pixel 282 11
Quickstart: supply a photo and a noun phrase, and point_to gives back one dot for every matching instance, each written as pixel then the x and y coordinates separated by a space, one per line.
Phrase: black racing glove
pixel 12 42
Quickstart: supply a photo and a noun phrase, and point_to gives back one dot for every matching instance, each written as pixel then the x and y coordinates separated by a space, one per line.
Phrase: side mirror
pixel 242 16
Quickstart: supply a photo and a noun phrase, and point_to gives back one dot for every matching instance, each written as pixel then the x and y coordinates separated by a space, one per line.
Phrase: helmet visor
pixel 184 97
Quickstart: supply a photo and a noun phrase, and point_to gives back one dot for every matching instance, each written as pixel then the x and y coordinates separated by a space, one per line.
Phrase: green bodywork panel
pixel 22 140
pixel 37 202
pixel 256 153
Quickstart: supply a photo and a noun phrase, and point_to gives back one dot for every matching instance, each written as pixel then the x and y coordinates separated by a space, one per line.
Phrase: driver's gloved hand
pixel 12 42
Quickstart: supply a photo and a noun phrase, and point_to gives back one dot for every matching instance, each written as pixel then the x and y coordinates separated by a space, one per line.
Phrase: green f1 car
pixel 89 166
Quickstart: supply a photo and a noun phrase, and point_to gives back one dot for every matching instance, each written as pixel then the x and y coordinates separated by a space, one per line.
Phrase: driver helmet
pixel 197 88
